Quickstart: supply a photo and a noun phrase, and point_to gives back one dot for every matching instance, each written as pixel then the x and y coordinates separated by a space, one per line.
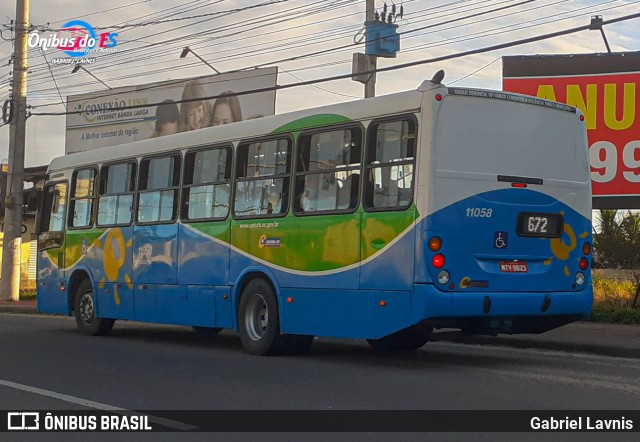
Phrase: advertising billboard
pixel 157 109
pixel 606 88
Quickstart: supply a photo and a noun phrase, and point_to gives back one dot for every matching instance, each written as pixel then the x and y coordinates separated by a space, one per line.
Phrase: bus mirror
pixel 32 199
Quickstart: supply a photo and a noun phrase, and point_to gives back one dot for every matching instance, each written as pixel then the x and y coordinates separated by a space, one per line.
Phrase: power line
pixel 159 22
pixel 519 26
pixel 406 50
pixel 54 79
pixel 121 62
pixel 319 65
pixel 386 69
pixel 318 87
pixel 474 72
pixel 181 39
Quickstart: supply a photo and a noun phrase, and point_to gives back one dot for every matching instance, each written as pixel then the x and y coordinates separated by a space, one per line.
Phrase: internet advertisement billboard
pixel 156 108
pixel 606 88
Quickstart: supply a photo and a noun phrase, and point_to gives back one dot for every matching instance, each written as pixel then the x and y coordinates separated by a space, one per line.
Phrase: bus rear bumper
pixel 499 312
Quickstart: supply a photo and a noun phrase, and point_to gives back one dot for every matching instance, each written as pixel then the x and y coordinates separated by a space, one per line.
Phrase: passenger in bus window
pixel 167 116
pixel 194 114
pixel 226 110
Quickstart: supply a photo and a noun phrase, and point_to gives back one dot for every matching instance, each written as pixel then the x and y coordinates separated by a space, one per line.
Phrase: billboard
pixel 99 123
pixel 605 87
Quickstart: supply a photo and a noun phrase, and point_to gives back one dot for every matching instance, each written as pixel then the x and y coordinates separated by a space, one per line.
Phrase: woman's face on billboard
pixel 195 117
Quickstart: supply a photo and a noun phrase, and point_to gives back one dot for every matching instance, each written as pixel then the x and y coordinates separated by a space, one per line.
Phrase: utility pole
pixel 370 85
pixel 12 241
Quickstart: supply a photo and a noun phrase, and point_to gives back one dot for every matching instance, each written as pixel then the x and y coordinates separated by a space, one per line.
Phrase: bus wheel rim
pixel 86 308
pixel 256 317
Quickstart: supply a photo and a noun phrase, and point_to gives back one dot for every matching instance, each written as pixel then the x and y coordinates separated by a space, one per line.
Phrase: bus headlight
pixel 443 277
pixel 579 278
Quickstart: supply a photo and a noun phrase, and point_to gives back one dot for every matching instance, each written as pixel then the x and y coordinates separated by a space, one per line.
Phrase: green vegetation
pixel 615 315
pixel 613 301
pixel 617 243
pixel 27 295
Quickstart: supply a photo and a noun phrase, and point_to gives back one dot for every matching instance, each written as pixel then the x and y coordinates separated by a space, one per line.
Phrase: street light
pixel 77 67
pixel 186 51
pixel 596 25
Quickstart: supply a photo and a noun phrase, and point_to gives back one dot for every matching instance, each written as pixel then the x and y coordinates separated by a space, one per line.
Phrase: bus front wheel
pixel 259 323
pixel 85 312
pixel 411 338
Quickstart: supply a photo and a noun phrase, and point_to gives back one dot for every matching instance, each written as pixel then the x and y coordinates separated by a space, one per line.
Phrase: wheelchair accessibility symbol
pixel 500 240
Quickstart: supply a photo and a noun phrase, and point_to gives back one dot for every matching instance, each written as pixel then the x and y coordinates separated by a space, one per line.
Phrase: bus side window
pixel 328 171
pixel 262 178
pixel 117 184
pixel 82 198
pixel 206 184
pixel 390 163
pixel 158 189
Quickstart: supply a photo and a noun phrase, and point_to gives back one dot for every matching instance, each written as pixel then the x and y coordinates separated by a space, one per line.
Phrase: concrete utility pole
pixel 370 85
pixel 12 241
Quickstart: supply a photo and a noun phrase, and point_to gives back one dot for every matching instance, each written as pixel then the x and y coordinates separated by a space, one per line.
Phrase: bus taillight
pixel 435 244
pixel 438 260
pixel 586 249
pixel 583 263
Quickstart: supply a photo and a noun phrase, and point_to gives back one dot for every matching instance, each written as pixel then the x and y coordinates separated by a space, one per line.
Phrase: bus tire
pixel 206 331
pixel 411 338
pixel 85 312
pixel 259 319
pixel 259 323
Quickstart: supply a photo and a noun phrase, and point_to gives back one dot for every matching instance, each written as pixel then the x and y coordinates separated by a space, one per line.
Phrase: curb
pixel 528 343
pixel 18 309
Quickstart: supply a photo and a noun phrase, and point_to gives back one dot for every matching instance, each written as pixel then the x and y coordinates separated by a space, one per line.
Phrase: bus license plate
pixel 514 267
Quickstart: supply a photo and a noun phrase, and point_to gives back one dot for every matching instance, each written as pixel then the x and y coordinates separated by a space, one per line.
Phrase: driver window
pixel 54 208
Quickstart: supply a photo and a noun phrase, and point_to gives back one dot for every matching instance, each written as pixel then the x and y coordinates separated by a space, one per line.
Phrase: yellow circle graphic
pixel 114 253
pixel 558 246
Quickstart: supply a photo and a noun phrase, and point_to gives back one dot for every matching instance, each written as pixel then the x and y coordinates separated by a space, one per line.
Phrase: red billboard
pixel 606 88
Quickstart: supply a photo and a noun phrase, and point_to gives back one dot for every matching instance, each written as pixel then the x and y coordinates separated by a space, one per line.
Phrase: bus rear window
pixel 483 136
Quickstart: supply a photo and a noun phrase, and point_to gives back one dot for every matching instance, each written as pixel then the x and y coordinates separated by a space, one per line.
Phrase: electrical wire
pixel 146 72
pixel 385 69
pixel 474 72
pixel 54 80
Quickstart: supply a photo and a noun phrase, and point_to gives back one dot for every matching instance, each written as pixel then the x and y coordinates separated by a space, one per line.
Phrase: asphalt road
pixel 46 364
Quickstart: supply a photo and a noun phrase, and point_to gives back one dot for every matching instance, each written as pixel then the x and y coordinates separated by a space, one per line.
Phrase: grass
pixel 615 315
pixel 27 295
pixel 612 301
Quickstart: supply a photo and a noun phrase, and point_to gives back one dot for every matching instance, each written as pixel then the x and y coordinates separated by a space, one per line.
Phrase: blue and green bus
pixel 379 219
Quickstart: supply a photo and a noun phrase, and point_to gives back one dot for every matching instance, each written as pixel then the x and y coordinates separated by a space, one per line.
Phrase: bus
pixel 378 219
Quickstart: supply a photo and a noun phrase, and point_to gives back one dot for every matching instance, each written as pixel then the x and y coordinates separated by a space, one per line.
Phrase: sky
pixel 239 34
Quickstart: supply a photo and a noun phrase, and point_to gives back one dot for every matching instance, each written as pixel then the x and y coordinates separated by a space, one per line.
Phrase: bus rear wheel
pixel 85 312
pixel 259 323
pixel 411 338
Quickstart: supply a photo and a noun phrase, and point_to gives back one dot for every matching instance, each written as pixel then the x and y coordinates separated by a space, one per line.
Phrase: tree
pixel 617 244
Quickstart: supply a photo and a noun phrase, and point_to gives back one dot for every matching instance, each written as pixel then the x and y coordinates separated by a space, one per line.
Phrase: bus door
pixel 115 225
pixel 52 298
pixel 155 243
pixel 388 242
pixel 326 204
